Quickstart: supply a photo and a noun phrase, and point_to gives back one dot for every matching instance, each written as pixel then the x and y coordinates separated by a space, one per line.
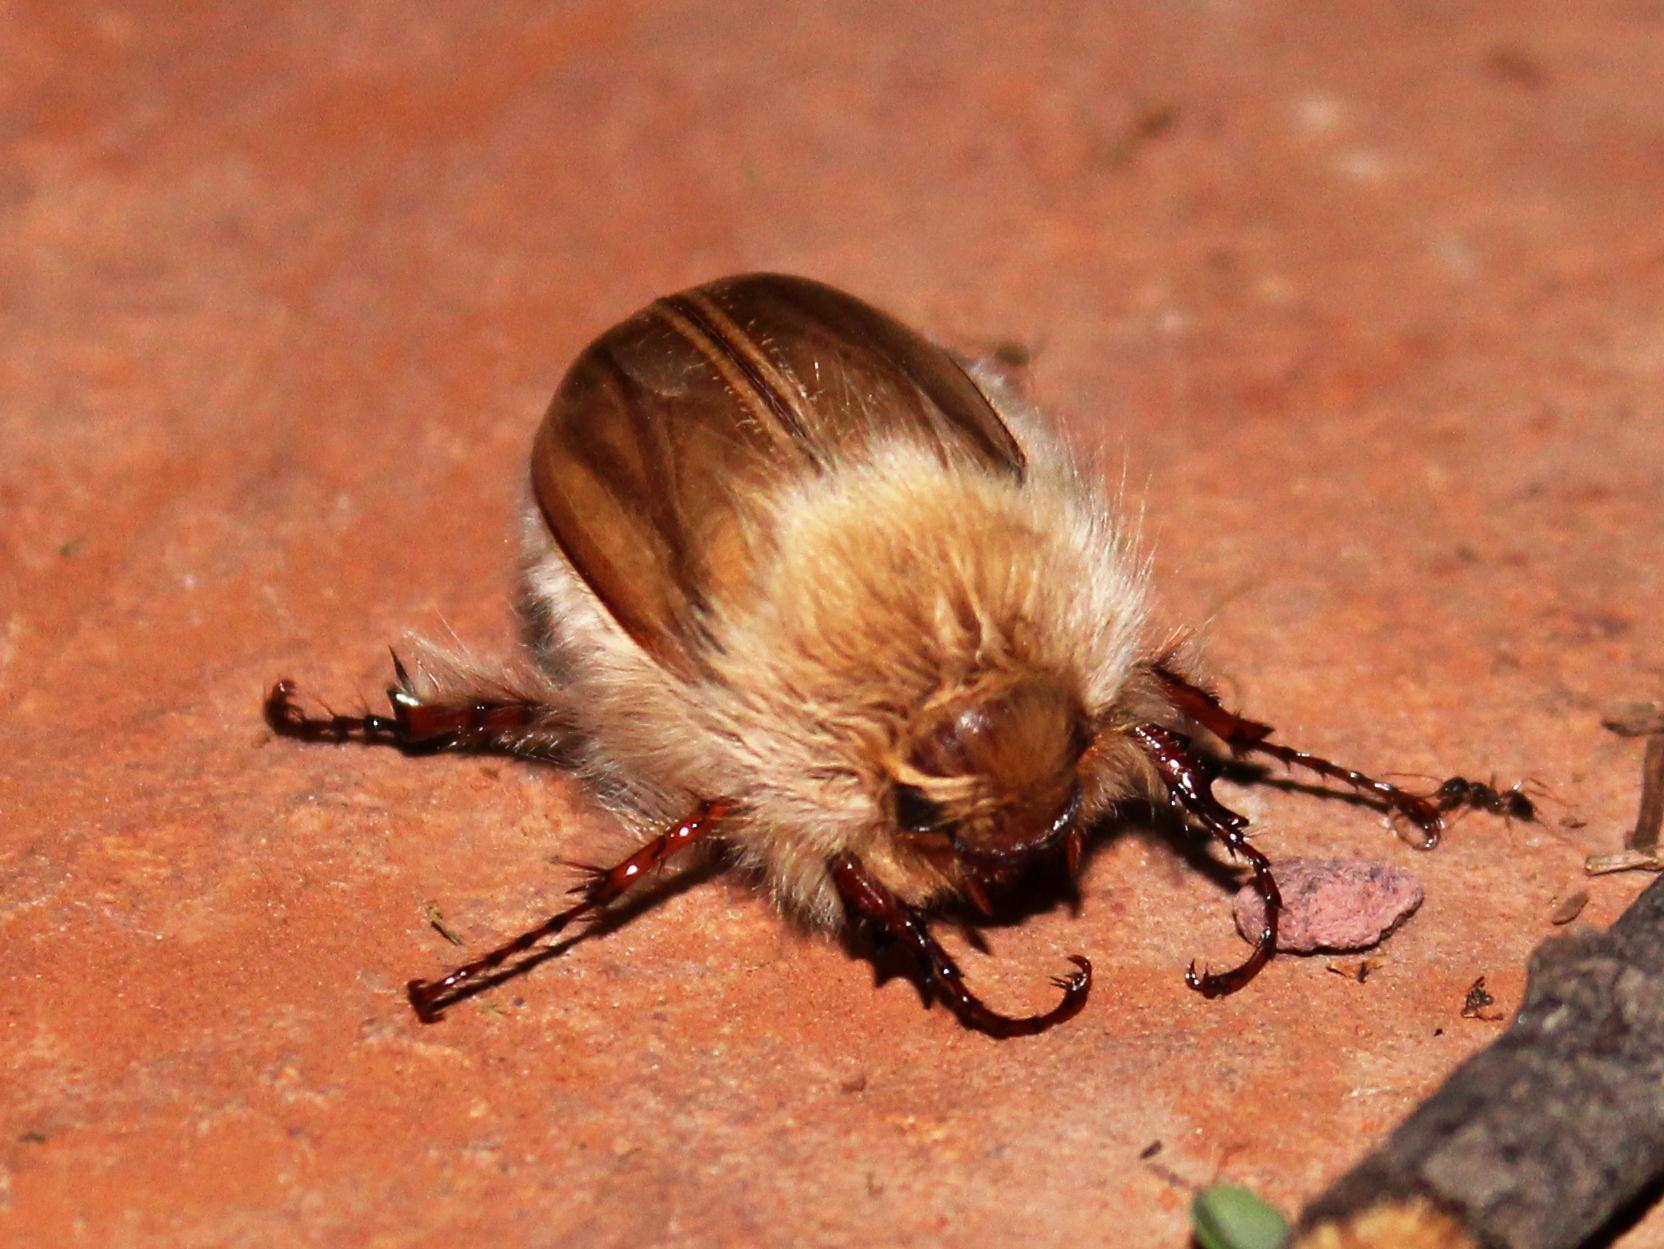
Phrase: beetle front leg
pixel 1189 778
pixel 865 898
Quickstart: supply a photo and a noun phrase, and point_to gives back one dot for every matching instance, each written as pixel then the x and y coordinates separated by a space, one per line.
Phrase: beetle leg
pixel 418 726
pixel 1249 736
pixel 865 898
pixel 1189 778
pixel 605 885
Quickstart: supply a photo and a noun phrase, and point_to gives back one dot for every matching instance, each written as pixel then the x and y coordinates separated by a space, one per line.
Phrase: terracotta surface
pixel 1366 300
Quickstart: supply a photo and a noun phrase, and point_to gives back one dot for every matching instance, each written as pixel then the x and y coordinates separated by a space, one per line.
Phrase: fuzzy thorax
pixel 875 589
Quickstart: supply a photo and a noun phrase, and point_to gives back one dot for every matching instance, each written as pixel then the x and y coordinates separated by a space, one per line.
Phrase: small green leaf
pixel 1228 1217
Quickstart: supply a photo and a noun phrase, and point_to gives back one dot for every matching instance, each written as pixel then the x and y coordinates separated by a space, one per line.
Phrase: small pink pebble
pixel 1331 904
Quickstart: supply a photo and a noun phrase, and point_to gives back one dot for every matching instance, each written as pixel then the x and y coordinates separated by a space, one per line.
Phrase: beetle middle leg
pixel 866 898
pixel 605 885
pixel 1245 736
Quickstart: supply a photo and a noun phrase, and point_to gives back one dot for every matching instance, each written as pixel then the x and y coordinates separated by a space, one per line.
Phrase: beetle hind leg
pixel 443 707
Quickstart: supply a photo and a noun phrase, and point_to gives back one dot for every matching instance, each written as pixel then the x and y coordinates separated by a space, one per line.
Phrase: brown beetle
pixel 799 580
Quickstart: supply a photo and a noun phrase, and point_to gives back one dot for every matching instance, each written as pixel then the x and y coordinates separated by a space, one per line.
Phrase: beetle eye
pixel 916 813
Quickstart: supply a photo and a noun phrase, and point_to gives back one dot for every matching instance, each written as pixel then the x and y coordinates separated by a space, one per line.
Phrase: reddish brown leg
pixel 413 724
pixel 1245 736
pixel 865 898
pixel 1189 778
pixel 605 885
